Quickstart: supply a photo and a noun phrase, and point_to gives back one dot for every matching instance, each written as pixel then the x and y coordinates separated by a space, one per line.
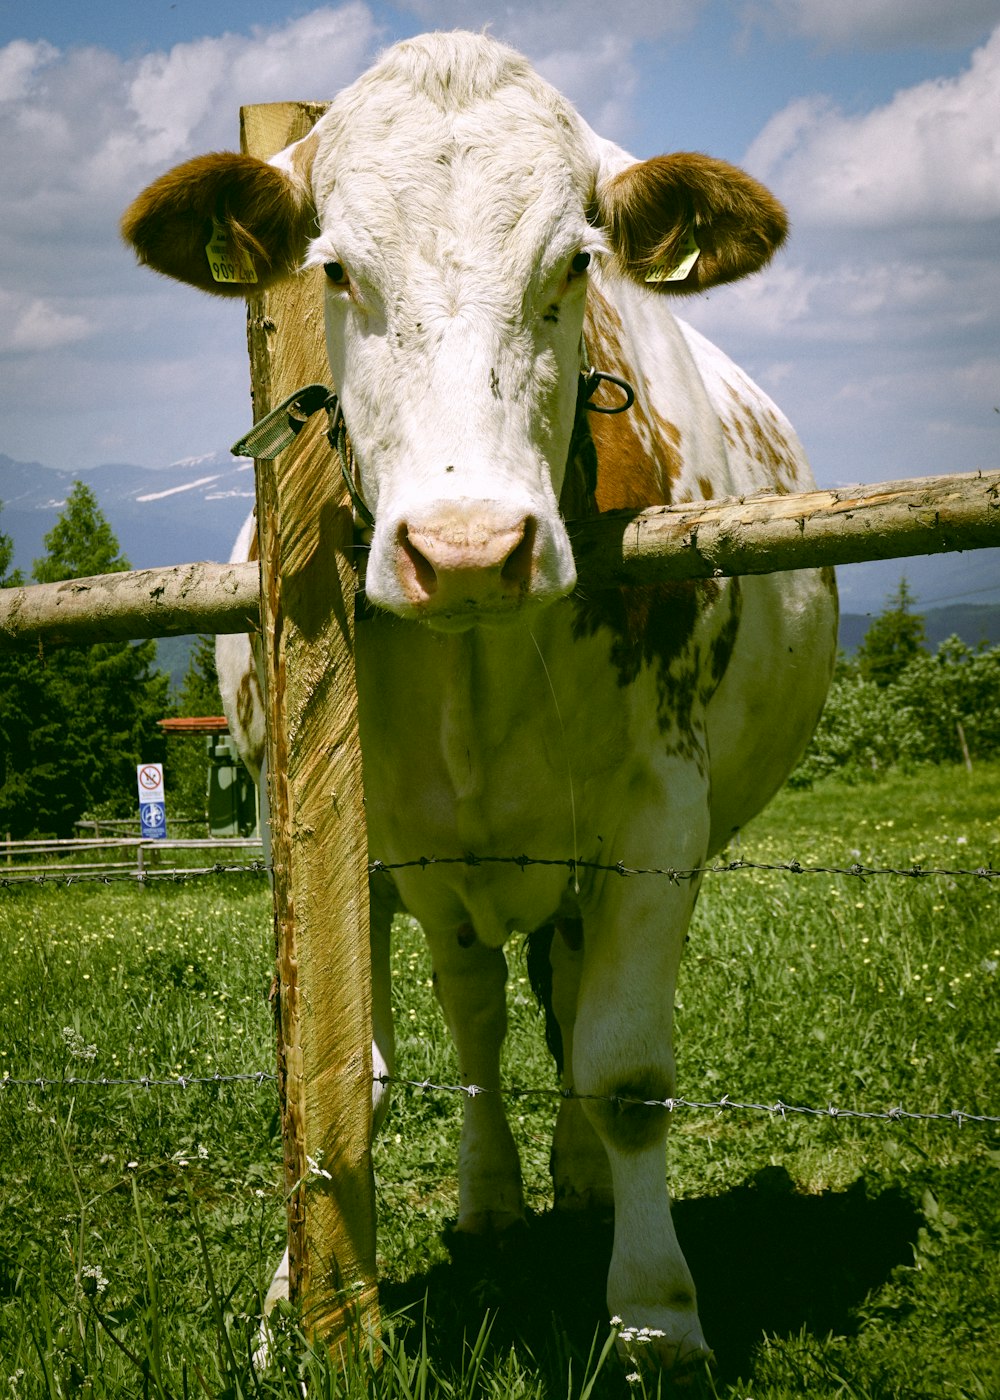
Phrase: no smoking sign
pixel 152 811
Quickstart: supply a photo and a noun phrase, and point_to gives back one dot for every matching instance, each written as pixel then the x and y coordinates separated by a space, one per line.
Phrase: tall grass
pixel 139 1228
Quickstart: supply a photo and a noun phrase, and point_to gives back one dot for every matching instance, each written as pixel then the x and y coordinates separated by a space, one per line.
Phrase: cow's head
pixel 459 207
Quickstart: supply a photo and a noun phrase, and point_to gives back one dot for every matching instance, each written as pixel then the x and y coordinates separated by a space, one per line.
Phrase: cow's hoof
pixel 489 1224
pixel 594 1202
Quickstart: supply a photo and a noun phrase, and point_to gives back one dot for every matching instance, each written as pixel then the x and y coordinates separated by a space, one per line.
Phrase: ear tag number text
pixel 225 264
pixel 688 256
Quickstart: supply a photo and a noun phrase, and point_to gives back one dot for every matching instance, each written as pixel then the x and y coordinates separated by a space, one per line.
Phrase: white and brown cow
pixel 480 242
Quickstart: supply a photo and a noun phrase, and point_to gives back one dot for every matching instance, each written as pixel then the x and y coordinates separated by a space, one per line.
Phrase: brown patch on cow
pixel 639 451
pixel 303 155
pixel 722 645
pixel 627 462
pixel 249 704
pixel 760 433
pixel 706 488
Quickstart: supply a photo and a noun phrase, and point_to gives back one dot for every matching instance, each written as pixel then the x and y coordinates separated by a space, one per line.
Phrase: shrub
pixel 868 728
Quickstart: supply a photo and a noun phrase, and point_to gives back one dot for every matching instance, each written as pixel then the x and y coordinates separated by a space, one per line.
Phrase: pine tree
pixel 91 711
pixel 22 711
pixel 200 687
pixel 80 543
pixel 893 640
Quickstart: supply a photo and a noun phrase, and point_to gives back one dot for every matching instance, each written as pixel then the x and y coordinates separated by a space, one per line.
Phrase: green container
pixel 232 794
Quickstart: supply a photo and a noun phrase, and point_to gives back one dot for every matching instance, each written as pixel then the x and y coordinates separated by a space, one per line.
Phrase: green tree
pixel 200 687
pixel 893 640
pixel 81 542
pixel 81 718
pixel 23 720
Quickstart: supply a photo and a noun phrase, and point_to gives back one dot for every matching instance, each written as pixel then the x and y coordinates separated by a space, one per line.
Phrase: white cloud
pixel 877 24
pixel 931 155
pixel 19 64
pixel 192 94
pixel 96 126
pixel 847 302
pixel 32 324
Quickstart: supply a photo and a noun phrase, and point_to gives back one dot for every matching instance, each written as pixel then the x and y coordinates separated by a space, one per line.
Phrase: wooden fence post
pixel 319 845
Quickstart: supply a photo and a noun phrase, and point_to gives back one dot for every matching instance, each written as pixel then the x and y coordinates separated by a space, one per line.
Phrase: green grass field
pixel 139 1228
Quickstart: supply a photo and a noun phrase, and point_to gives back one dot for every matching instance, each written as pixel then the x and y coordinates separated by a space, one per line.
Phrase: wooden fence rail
pixel 702 539
pixel 115 854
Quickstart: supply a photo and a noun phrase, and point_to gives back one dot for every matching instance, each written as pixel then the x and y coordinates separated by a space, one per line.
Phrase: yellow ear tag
pixel 689 251
pixel 225 263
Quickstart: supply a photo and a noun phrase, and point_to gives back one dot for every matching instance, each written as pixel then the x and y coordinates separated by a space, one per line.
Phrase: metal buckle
pixel 279 428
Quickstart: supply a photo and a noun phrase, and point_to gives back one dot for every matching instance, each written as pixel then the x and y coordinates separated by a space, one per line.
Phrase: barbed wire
pixel 146 1081
pixel 178 876
pixel 776 1110
pixel 725 1104
pixel 174 876
pixel 794 867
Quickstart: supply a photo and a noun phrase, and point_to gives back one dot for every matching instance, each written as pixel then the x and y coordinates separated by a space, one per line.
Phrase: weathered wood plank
pixel 699 539
pixel 767 534
pixel 127 606
pixel 319 846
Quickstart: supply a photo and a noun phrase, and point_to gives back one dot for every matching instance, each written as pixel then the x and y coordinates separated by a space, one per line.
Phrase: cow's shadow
pixel 766 1258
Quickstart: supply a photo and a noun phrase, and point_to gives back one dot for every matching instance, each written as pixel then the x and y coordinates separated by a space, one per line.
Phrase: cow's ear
pixel 225 223
pixel 684 222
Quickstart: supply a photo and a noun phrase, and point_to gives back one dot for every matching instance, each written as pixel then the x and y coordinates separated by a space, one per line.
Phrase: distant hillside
pixel 167 515
pixel 972 622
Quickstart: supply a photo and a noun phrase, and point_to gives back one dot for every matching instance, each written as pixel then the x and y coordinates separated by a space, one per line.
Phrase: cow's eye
pixel 336 274
pixel 580 264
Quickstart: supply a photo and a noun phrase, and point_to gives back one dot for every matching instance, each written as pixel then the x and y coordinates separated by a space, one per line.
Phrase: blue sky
pixel 877 122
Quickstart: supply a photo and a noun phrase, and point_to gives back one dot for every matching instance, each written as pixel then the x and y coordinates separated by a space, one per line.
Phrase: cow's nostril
pixel 517 565
pixel 423 570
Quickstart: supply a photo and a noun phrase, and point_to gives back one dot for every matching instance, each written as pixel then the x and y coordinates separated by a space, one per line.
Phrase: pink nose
pixel 463 559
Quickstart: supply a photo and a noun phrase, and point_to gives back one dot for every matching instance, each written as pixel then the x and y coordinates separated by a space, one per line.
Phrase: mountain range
pixel 189 510
pixel 193 509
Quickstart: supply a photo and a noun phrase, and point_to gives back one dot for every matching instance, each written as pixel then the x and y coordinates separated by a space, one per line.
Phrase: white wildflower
pixel 94 1279
pixel 76 1045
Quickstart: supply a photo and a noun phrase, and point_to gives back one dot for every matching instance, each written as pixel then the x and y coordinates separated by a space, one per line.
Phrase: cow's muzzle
pixel 462 561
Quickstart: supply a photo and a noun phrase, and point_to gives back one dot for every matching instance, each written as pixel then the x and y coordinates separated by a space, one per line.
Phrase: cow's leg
pixel 469 980
pixel 384 902
pixel 622 1053
pixel 581 1174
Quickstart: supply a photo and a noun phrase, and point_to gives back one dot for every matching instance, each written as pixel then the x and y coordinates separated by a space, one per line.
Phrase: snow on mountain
pixel 188 510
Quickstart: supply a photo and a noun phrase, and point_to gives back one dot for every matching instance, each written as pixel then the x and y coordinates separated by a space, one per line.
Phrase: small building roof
pixel 205 724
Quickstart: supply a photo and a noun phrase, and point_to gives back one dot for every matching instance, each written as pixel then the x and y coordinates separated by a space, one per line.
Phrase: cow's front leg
pixel 469 980
pixel 622 1056
pixel 581 1176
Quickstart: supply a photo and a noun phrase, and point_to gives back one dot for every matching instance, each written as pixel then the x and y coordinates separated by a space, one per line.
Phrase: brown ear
pixel 266 216
pixel 652 210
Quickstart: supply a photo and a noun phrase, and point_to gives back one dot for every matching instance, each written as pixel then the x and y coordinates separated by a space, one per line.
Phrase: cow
pixel 484 248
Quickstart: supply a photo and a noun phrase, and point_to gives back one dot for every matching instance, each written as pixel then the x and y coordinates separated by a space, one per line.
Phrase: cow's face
pixel 458 207
pixel 456 247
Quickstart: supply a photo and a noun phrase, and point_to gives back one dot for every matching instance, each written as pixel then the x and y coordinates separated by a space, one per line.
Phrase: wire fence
pixel 725 1104
pixel 856 870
